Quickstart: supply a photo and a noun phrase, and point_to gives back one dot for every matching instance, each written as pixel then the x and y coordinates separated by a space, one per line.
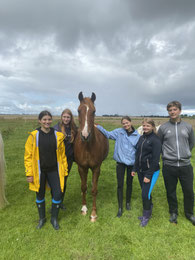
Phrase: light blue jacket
pixel 125 146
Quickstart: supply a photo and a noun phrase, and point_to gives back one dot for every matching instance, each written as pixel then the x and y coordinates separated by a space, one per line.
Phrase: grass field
pixel 109 238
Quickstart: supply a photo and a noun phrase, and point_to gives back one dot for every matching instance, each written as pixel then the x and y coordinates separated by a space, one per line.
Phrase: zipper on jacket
pixel 177 143
pixel 148 164
pixel 141 154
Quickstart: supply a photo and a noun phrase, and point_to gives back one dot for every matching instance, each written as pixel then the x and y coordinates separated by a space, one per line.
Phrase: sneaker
pixel 173 218
pixel 192 219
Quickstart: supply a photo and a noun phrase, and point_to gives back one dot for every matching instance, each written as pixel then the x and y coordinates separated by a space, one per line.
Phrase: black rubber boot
pixel 41 210
pixel 54 215
pixel 120 203
pixel 120 212
pixel 128 197
pixel 128 207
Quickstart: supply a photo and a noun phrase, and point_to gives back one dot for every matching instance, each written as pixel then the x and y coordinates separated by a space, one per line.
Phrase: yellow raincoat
pixel 32 162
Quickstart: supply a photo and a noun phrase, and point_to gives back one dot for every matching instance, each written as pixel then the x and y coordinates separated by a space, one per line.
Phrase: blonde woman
pixel 147 166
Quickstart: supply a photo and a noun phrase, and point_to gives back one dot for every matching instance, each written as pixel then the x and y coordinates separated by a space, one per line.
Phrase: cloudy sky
pixel 136 56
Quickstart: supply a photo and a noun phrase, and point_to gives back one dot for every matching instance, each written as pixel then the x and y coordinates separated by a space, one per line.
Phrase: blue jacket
pixel 125 146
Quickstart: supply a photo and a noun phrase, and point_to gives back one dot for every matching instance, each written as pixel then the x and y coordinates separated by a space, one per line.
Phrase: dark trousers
pixel 185 175
pixel 147 203
pixel 120 172
pixel 52 177
pixel 70 162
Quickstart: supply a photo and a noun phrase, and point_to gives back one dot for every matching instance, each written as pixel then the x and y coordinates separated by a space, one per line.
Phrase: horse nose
pixel 85 137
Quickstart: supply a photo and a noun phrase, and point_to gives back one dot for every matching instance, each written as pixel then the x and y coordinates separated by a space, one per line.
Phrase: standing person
pixel 124 154
pixel 45 160
pixel 177 139
pixel 147 166
pixel 68 127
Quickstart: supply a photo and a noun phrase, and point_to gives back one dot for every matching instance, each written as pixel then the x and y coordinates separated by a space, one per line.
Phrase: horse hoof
pixel 93 219
pixel 84 210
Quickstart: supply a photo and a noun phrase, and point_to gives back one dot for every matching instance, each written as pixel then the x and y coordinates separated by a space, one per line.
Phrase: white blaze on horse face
pixel 85 132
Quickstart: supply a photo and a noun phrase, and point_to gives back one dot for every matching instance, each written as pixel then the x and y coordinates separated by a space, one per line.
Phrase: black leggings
pixel 147 203
pixel 53 180
pixel 120 171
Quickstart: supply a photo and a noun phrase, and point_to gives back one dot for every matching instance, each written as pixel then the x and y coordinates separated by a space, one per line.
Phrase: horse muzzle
pixel 85 138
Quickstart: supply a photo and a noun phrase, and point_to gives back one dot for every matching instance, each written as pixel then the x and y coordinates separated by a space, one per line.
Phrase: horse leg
pixel 83 175
pixel 96 173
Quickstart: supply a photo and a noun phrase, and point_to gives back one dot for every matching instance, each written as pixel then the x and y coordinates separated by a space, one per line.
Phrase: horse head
pixel 86 111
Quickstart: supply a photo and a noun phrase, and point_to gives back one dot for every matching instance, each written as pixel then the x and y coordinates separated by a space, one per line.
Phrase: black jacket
pixel 68 145
pixel 147 155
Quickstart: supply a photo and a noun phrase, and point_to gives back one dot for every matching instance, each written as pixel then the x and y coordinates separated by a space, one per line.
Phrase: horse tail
pixel 3 200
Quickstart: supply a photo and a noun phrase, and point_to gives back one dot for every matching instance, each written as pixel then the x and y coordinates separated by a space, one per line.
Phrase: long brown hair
pixel 72 124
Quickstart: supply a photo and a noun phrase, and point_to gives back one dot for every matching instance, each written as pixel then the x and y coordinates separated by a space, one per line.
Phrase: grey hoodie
pixel 177 142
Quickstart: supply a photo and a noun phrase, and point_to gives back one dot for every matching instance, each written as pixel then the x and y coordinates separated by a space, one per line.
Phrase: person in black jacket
pixel 147 166
pixel 68 127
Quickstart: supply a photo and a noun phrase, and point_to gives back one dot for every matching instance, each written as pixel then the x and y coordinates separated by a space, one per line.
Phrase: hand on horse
pixel 30 179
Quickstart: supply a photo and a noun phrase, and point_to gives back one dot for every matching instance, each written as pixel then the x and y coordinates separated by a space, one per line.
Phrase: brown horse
pixel 90 149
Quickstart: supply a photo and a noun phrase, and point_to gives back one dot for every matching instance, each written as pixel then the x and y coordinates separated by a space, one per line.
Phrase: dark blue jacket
pixel 147 155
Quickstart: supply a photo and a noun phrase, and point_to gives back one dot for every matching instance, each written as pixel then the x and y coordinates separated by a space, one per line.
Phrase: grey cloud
pixel 135 55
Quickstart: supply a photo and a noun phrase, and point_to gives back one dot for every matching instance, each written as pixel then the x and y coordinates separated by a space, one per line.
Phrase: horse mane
pixel 3 200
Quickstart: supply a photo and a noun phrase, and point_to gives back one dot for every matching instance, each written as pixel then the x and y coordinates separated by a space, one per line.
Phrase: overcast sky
pixel 135 55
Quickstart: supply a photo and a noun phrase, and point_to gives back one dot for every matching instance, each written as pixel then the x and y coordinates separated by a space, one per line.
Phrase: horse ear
pixel 93 97
pixel 80 96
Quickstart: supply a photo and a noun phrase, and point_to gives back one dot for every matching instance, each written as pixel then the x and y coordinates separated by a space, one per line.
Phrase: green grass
pixel 78 238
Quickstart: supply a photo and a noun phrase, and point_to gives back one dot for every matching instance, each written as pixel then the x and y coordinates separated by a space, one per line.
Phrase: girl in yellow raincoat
pixel 45 160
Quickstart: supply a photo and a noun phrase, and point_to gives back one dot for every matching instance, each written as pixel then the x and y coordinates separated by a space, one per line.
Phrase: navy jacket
pixel 147 155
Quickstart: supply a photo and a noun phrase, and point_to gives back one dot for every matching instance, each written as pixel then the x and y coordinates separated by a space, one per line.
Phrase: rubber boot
pixel 128 197
pixel 120 203
pixel 128 207
pixel 41 210
pixel 141 217
pixel 54 215
pixel 146 217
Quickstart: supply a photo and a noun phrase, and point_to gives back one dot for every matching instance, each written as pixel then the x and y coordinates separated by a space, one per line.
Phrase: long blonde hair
pixel 72 124
pixel 3 200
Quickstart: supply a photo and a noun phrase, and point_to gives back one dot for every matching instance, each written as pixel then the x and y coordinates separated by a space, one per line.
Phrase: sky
pixel 136 56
